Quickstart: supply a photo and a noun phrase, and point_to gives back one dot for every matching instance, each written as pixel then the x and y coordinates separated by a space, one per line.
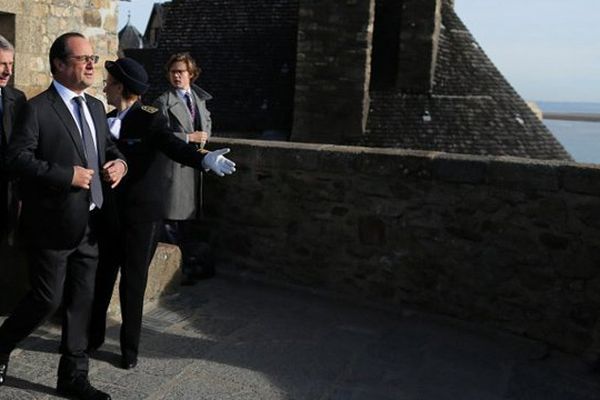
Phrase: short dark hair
pixel 60 50
pixel 128 94
pixel 186 58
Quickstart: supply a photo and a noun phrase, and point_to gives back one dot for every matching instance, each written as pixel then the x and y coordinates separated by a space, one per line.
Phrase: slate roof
pixel 247 50
pixel 472 108
pixel 130 38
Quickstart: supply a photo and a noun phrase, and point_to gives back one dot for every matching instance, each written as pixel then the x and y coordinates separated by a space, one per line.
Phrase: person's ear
pixel 59 64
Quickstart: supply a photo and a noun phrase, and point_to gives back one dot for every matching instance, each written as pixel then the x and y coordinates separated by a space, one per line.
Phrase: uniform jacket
pixel 44 147
pixel 148 144
pixel 181 190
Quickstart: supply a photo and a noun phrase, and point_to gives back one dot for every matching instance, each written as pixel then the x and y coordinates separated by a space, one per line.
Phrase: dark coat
pixel 44 147
pixel 12 101
pixel 146 141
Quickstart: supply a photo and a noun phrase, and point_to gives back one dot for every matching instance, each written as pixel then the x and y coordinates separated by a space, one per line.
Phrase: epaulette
pixel 150 109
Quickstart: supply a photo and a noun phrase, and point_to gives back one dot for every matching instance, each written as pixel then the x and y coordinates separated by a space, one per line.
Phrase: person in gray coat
pixel 184 105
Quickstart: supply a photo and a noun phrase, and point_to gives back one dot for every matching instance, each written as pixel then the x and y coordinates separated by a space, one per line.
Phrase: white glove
pixel 220 165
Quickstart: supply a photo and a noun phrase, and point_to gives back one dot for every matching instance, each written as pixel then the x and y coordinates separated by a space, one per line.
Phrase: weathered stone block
pixel 164 276
pixel 92 18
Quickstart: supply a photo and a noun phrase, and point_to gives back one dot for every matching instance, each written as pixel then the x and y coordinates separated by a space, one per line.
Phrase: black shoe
pixel 128 364
pixel 80 388
pixel 3 369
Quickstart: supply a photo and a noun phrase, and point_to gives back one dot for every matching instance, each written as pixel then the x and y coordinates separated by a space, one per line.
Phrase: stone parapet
pixel 506 241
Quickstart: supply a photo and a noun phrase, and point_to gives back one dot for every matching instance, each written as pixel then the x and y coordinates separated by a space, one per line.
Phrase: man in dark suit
pixel 143 136
pixel 11 100
pixel 58 146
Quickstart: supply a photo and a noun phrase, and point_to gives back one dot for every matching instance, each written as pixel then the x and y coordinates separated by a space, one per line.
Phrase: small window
pixel 386 43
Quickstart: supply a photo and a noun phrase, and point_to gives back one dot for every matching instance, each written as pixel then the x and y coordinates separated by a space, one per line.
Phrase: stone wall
pixel 511 242
pixel 38 22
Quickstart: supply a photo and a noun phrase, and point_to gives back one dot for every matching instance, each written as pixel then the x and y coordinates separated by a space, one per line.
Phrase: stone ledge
pixel 164 276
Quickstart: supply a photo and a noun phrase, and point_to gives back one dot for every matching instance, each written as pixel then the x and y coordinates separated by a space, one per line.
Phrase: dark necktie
pixel 190 106
pixel 91 154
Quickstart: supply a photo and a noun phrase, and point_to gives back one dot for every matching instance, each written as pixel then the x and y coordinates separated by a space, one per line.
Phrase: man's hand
pixel 82 177
pixel 199 137
pixel 113 171
pixel 220 165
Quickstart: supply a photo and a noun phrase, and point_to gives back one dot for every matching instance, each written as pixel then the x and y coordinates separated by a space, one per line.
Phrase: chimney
pixel 331 100
pixel 419 37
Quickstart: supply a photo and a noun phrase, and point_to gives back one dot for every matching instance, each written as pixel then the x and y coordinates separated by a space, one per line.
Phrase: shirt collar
pixel 122 114
pixel 182 92
pixel 66 94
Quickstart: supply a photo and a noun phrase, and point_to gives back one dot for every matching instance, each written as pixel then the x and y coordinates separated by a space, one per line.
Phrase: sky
pixel 549 50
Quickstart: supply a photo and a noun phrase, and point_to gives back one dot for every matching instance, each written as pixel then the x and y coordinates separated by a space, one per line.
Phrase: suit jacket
pixel 181 190
pixel 45 146
pixel 148 144
pixel 12 101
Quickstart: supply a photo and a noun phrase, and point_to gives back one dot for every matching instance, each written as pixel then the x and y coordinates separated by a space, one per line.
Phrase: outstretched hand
pixel 220 165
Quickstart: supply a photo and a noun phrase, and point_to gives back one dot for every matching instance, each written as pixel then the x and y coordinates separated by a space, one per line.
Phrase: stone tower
pixel 32 26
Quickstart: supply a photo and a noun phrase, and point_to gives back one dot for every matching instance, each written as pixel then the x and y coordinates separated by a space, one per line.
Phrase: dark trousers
pixel 179 233
pixel 132 253
pixel 57 276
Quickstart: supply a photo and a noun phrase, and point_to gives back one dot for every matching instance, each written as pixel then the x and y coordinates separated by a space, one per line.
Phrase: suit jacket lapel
pixel 198 102
pixel 179 110
pixel 7 105
pixel 67 119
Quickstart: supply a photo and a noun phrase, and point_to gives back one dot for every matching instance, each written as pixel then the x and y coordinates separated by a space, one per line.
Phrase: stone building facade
pixel 32 26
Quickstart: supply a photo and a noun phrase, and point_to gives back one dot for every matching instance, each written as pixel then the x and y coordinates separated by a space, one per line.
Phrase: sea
pixel 580 138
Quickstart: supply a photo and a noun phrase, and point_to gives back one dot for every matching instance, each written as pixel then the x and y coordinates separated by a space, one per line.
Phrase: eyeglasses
pixel 178 71
pixel 86 59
